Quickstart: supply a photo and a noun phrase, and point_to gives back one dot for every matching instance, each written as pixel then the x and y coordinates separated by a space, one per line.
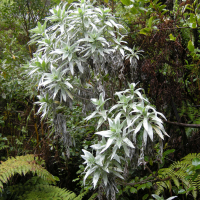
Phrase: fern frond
pixel 81 195
pixel 36 188
pixel 39 189
pixel 48 192
pixel 22 165
pixel 177 173
pixel 93 196
pixel 161 187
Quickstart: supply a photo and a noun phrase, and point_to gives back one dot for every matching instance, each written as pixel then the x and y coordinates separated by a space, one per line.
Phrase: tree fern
pixel 178 173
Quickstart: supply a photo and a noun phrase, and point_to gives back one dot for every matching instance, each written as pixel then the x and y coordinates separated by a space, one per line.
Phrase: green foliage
pixel 48 192
pixel 37 187
pixel 22 165
pixel 178 173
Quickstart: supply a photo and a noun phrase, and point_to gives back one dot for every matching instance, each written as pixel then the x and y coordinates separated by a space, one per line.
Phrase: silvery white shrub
pixel 130 116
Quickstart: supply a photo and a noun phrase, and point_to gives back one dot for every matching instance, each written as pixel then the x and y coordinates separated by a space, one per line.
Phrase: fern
pixel 177 173
pixel 22 165
pixel 37 188
pixel 41 192
pixel 94 196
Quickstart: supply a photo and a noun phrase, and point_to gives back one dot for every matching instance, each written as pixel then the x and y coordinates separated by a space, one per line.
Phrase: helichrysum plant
pixel 131 120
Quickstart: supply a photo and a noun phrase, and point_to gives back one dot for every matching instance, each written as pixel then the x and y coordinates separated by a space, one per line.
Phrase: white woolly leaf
pixel 128 142
pixel 90 171
pixel 145 137
pixel 150 131
pixel 145 124
pixel 138 127
pixel 91 116
pixel 107 133
pixel 109 142
pixel 96 176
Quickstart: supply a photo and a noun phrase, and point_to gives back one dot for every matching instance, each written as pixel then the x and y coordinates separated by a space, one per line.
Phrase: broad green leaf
pixel 150 21
pixel 133 190
pixel 126 2
pixel 134 10
pixel 190 46
pixel 142 186
pixel 194 25
pixel 145 196
pixel 182 191
pixel 151 162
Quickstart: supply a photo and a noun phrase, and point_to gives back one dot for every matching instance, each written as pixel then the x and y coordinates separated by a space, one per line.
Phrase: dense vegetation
pixel 99 99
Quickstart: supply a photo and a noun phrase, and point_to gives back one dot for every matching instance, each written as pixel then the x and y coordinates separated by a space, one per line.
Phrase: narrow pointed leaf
pixel 128 142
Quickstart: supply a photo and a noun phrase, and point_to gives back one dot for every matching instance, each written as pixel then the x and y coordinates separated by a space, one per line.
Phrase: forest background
pixel 165 37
